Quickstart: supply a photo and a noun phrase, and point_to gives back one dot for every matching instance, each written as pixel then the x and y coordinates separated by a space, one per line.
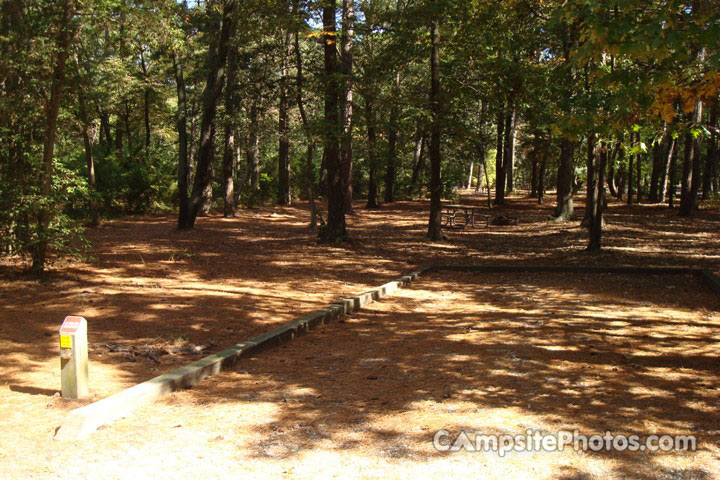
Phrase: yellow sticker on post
pixel 65 341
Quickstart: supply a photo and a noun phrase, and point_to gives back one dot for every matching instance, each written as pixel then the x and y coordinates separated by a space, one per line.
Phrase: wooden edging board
pixel 83 421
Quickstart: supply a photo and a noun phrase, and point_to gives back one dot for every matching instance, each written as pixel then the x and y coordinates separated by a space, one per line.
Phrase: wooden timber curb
pixel 83 421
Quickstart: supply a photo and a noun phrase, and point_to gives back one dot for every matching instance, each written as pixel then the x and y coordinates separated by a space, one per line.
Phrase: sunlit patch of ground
pixel 492 354
pixel 163 298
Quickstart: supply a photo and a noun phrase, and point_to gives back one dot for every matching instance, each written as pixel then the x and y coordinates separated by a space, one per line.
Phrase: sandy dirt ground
pixel 362 398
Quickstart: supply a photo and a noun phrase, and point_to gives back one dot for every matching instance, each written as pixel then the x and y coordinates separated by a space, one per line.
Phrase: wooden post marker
pixel 74 358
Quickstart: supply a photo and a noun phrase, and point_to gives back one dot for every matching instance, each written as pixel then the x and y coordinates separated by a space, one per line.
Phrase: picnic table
pixel 461 216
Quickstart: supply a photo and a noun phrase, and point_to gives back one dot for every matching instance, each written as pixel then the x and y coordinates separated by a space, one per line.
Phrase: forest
pixel 308 239
pixel 111 108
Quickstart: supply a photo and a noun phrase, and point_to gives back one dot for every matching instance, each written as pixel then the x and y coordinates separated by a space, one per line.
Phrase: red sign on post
pixel 70 325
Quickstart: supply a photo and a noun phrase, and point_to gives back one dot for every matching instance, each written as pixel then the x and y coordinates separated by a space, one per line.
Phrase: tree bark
pixel 253 146
pixel 564 209
pixel 418 160
pixel 630 172
pixel 213 91
pixel 499 164
pixel 183 159
pixel 691 169
pixel 392 145
pixel 346 101
pixel 283 191
pixel 509 149
pixel 372 201
pixel 146 105
pixel 231 102
pixel 434 223
pixel 541 176
pixel 335 230
pixel 89 161
pixel 669 154
pixel 638 172
pixel 711 157
pixel 597 198
pixel 40 248
pixel 299 84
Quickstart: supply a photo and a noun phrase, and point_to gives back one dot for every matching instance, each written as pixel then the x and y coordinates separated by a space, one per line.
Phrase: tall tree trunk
pixel 283 191
pixel 87 141
pixel 146 105
pixel 392 145
pixel 638 173
pixel 372 201
pixel 658 166
pixel 471 175
pixel 541 177
pixel 534 167
pixel 597 198
pixel 481 167
pixel 691 169
pixel 213 91
pixel 105 132
pixel 418 160
pixel 564 210
pixel 434 223
pixel 231 102
pixel 630 172
pixel 299 84
pixel 183 159
pixel 672 172
pixel 346 101
pixel 499 165
pixel 64 40
pixel 711 157
pixel 590 206
pixel 509 149
pixel 612 186
pixel 487 178
pixel 667 160
pixel 118 137
pixel 253 150
pixel 335 230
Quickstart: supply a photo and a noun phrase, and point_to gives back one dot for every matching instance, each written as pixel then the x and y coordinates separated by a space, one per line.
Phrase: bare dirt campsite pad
pixel 492 353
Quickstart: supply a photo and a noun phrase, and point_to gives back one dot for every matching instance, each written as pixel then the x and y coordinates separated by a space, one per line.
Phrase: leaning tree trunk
pixel 335 229
pixel 346 101
pixel 434 223
pixel 213 91
pixel 564 210
pixel 65 35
